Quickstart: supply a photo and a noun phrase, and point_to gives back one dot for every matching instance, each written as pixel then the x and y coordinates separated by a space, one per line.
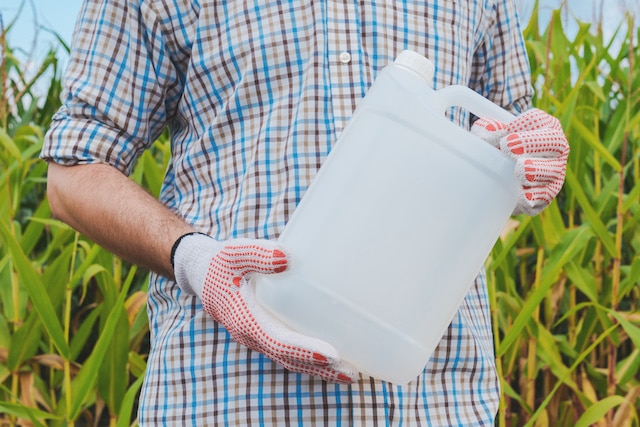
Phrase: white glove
pixel 216 273
pixel 537 142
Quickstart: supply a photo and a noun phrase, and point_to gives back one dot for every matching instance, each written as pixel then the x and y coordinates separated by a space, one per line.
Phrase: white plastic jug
pixel 391 233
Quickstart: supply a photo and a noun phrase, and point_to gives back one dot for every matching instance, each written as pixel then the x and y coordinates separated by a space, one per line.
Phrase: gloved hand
pixel 216 272
pixel 537 142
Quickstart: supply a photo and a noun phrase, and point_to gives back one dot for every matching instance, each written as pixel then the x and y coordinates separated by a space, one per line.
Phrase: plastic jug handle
pixel 462 96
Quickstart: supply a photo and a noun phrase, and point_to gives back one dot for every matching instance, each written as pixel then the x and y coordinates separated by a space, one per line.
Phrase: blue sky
pixel 36 16
pixel 29 32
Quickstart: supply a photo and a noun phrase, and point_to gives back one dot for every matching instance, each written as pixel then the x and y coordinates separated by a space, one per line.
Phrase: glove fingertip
pixel 321 358
pixel 277 253
pixel 346 373
pixel 342 378
pixel 280 261
pixel 529 205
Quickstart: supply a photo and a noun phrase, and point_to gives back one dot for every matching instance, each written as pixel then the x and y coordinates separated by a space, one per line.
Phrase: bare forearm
pixel 116 213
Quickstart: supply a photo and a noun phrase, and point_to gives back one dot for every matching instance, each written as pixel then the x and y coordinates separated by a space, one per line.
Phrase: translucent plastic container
pixel 391 233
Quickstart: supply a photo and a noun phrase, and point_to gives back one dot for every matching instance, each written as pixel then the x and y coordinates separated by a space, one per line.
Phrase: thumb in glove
pixel 537 142
pixel 217 272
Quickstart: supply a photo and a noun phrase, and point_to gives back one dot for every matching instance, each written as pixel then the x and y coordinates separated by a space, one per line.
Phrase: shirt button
pixel 345 57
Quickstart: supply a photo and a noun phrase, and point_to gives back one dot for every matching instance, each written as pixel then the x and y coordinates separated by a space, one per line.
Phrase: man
pixel 254 95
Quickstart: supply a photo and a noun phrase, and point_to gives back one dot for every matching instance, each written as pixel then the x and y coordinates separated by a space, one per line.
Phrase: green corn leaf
pixel 628 368
pixel 24 343
pixel 595 89
pixel 632 330
pixel 33 232
pixel 5 335
pixel 570 101
pixel 616 129
pixel 583 279
pixel 50 222
pixel 632 198
pixel 510 242
pixel 572 242
pixel 10 146
pixel 137 364
pixel 30 279
pixel 86 378
pixel 17 308
pixel 573 310
pixel 591 215
pixel 542 406
pixel 594 142
pixel 607 202
pixel 56 276
pixel 84 332
pixel 632 278
pixel 551 356
pixel 112 375
pixel 90 271
pixel 596 412
pixel 589 326
pixel 634 122
pixel 27 413
pixel 153 175
pixel 126 410
pixel 554 223
pixel 509 391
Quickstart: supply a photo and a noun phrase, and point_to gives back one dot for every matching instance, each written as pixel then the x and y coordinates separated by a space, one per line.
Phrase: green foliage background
pixel 565 285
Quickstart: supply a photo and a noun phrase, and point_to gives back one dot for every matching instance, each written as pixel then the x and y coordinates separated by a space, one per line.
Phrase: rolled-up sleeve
pixel 501 66
pixel 119 88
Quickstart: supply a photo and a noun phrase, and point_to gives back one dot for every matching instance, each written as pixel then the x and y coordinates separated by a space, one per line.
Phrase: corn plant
pixel 565 285
pixel 73 327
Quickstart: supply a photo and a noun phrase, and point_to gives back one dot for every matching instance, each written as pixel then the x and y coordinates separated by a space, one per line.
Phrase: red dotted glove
pixel 217 273
pixel 537 142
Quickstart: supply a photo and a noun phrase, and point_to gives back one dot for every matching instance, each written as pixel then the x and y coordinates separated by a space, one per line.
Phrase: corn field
pixel 564 286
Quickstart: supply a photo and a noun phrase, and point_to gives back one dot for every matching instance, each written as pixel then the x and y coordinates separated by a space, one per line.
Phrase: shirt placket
pixel 344 58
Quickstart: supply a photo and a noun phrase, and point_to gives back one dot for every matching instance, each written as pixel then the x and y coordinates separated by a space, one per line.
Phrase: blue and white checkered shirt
pixel 255 94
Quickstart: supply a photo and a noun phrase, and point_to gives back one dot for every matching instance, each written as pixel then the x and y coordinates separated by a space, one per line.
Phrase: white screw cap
pixel 416 63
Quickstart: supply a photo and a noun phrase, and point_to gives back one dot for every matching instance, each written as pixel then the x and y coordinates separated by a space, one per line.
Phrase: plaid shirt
pixel 254 95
